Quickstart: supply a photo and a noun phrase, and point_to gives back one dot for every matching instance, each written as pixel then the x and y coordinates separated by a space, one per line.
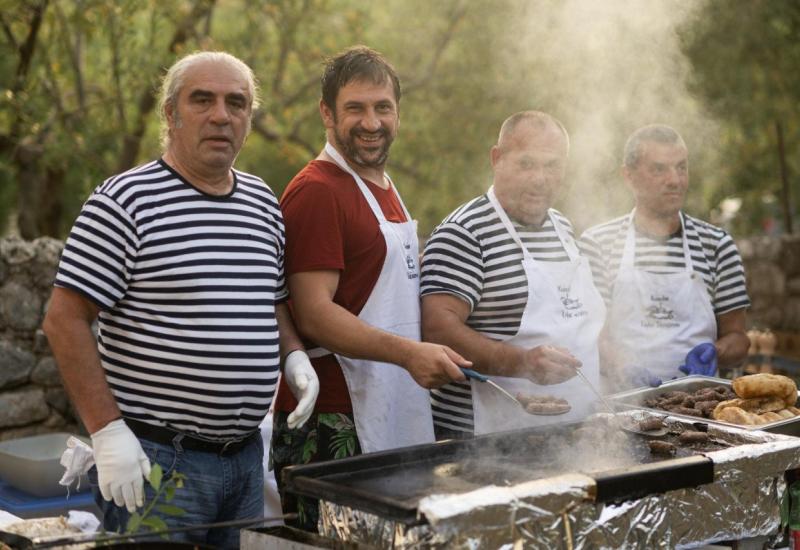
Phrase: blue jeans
pixel 216 488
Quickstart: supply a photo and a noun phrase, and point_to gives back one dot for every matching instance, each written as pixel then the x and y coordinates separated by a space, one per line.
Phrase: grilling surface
pixel 392 483
pixel 591 449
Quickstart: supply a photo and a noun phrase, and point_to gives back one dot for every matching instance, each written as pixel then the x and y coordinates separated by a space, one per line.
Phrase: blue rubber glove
pixel 702 359
pixel 641 376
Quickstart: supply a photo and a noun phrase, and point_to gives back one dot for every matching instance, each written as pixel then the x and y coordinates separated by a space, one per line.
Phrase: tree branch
pixel 287 28
pixel 297 140
pixel 300 92
pixel 119 93
pixel 409 171
pixel 27 48
pixel 10 142
pixel 73 51
pixel 260 127
pixel 7 31
pixel 457 14
pixel 147 100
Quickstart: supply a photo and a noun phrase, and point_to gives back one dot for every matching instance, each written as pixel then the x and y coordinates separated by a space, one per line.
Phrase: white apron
pixel 389 408
pixel 655 319
pixel 564 309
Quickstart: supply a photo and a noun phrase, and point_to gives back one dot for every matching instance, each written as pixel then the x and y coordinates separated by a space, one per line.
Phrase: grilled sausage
pixel 690 436
pixel 651 424
pixel 661 447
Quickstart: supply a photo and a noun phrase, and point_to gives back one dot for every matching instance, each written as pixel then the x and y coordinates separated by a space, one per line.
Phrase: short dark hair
pixel 660 133
pixel 356 63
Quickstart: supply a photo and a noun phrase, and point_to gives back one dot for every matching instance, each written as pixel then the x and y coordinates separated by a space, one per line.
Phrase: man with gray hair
pixel 674 284
pixel 181 262
pixel 504 285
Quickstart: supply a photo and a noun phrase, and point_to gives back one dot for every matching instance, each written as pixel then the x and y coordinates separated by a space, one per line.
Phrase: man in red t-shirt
pixel 352 267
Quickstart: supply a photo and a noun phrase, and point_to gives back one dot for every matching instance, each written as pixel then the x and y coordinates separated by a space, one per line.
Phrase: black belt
pixel 168 436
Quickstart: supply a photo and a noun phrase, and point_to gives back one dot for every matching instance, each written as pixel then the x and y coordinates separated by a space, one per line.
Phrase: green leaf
pixel 343 443
pixel 155 523
pixel 170 510
pixel 133 523
pixel 156 473
pixel 309 449
pixel 169 492
pixel 327 419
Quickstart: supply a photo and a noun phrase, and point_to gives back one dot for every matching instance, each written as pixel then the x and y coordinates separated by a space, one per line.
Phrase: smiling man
pixel 181 262
pixel 504 285
pixel 351 259
pixel 674 284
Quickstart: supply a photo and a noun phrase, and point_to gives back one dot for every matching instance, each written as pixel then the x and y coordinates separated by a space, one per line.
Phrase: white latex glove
pixel 303 381
pixel 121 463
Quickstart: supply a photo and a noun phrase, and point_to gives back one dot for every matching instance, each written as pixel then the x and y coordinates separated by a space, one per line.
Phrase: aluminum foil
pixel 560 512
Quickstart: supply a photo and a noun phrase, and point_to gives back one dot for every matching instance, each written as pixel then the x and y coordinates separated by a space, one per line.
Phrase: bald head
pixel 529 163
pixel 530 120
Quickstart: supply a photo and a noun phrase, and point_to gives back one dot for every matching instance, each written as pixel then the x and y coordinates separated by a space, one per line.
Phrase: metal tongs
pixel 475 375
pixel 623 425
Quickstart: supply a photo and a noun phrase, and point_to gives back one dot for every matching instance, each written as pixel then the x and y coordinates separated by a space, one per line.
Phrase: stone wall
pixel 32 398
pixel 772 266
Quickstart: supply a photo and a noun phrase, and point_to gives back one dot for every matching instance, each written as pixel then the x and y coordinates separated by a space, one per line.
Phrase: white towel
pixel 76 460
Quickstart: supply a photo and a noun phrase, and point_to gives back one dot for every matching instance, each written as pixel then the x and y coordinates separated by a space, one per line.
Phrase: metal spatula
pixel 475 375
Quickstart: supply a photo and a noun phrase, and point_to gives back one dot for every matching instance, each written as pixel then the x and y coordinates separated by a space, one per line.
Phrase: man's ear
pixel 494 155
pixel 169 114
pixel 328 118
pixel 627 177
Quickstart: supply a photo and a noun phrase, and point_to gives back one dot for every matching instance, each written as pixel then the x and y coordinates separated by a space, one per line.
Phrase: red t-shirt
pixel 329 225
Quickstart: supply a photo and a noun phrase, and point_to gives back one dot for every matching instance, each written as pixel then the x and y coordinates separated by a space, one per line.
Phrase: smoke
pixel 611 67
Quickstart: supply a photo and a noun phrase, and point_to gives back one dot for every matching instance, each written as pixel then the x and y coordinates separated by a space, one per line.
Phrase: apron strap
pixel 373 203
pixel 572 251
pixel 628 252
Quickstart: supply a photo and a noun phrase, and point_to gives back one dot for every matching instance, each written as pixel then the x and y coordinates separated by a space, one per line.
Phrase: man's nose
pixel 219 112
pixel 674 176
pixel 538 174
pixel 370 122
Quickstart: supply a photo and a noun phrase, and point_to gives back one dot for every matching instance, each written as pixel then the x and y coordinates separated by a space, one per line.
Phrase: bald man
pixel 504 285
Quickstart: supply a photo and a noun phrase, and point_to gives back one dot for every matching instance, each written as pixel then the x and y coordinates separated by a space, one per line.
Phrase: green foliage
pixel 309 447
pixel 165 490
pixel 79 108
pixel 745 63
pixel 343 442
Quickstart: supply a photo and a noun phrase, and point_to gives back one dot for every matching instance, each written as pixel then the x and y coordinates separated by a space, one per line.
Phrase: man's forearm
pixel 732 349
pixel 287 333
pixel 334 328
pixel 488 356
pixel 733 343
pixel 75 350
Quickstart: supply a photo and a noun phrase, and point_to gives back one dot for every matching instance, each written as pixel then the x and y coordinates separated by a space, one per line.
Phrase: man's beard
pixel 347 145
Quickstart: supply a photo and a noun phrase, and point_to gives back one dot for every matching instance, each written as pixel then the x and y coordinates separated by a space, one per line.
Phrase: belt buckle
pixel 227 444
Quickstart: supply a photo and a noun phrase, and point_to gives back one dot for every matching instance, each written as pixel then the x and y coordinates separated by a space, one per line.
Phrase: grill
pixel 555 486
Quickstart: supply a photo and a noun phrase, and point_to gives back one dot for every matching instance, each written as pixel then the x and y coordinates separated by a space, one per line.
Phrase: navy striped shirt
pixel 472 256
pixel 187 285
pixel 714 257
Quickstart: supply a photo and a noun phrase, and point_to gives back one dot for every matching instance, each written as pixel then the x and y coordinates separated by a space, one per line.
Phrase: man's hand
pixel 701 359
pixel 549 365
pixel 304 384
pixel 433 365
pixel 121 463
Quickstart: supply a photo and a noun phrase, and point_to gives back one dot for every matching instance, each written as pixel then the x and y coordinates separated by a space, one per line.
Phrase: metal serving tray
pixel 634 399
